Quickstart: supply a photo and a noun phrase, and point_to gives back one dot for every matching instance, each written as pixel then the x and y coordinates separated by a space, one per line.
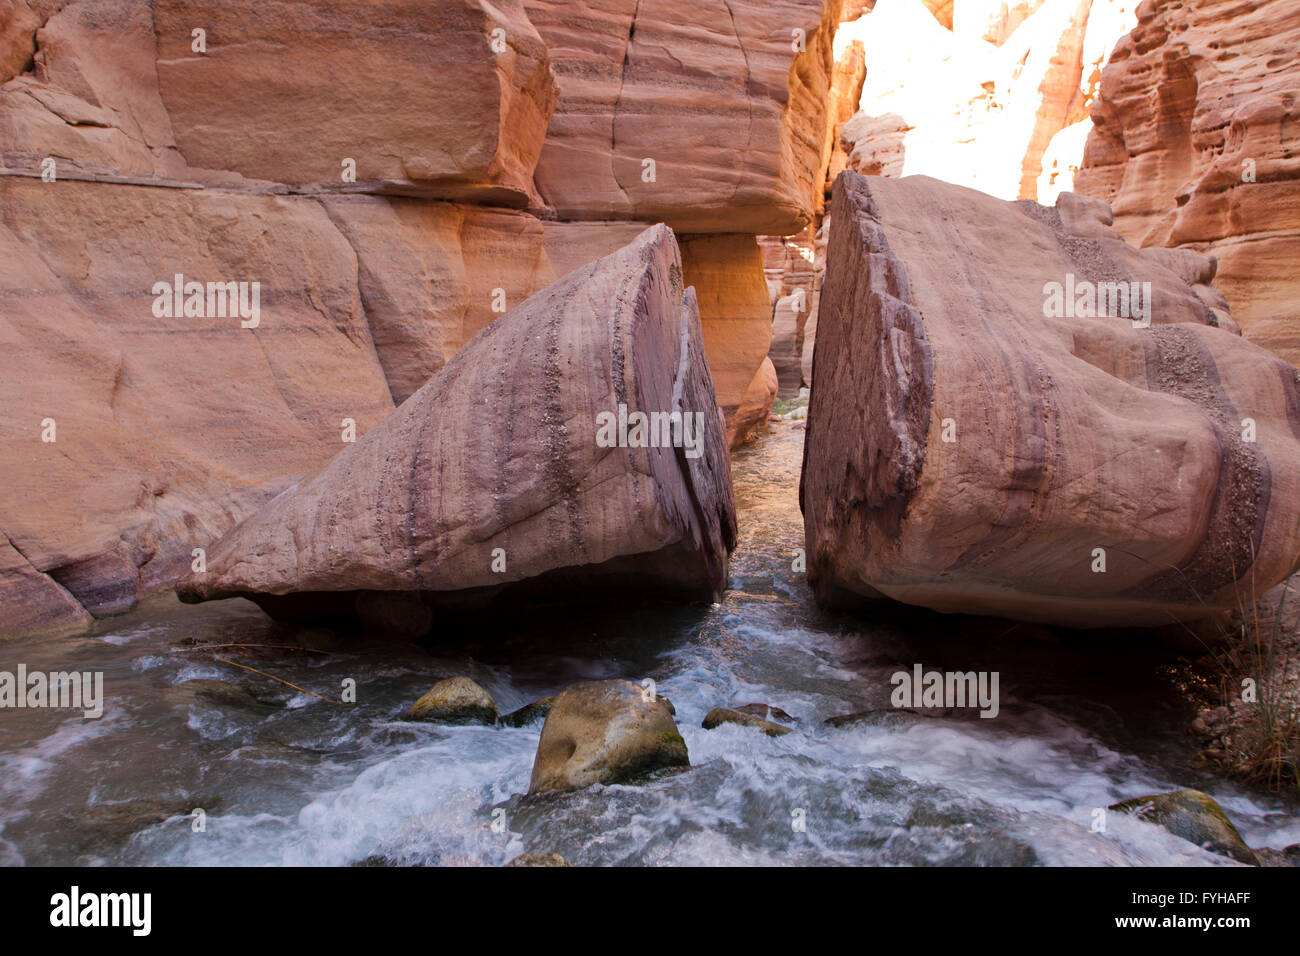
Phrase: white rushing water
pixel 299 780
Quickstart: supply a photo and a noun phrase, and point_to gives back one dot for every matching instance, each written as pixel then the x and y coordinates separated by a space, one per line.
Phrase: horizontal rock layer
pixel 414 92
pixel 319 96
pixel 972 449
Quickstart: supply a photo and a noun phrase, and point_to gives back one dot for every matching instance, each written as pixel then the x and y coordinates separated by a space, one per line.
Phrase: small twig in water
pixel 281 680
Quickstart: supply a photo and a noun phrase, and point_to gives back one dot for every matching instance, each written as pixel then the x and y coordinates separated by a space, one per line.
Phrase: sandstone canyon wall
pixel 1197 145
pixel 394 177
pixel 712 117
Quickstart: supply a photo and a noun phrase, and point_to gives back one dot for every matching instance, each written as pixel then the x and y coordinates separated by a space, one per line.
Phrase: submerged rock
pixel 884 717
pixel 539 859
pixel 457 700
pixel 519 462
pixel 725 715
pixel 1287 856
pixel 765 712
pixel 220 694
pixel 605 732
pixel 1195 817
pixel 982 439
pixel 529 713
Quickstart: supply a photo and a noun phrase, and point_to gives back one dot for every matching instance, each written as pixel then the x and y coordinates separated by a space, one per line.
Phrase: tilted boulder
pixel 978 443
pixel 727 274
pixel 500 468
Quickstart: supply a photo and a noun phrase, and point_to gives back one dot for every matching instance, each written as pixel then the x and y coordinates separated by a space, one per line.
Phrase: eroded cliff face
pixel 715 117
pixel 1197 145
pixel 392 178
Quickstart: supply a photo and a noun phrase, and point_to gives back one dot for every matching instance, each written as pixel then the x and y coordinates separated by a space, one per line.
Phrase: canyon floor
pixel 286 777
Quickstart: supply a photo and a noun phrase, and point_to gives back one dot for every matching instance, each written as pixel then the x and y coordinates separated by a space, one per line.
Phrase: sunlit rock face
pixel 977 443
pixel 976 92
pixel 794 267
pixel 1197 145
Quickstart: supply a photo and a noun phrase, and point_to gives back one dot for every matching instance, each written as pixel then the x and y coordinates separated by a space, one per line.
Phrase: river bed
pixel 292 778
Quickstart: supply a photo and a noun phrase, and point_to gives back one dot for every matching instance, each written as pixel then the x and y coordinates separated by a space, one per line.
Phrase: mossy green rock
pixel 605 731
pixel 1195 817
pixel 457 700
pixel 725 715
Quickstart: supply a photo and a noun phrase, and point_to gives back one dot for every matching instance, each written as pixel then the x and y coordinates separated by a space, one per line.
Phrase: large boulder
pixel 974 447
pixel 1197 144
pixel 499 470
pixel 607 731
pixel 755 405
pixel 728 98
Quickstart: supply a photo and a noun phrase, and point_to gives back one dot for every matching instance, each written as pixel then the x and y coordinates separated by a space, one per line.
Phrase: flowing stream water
pixel 291 778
